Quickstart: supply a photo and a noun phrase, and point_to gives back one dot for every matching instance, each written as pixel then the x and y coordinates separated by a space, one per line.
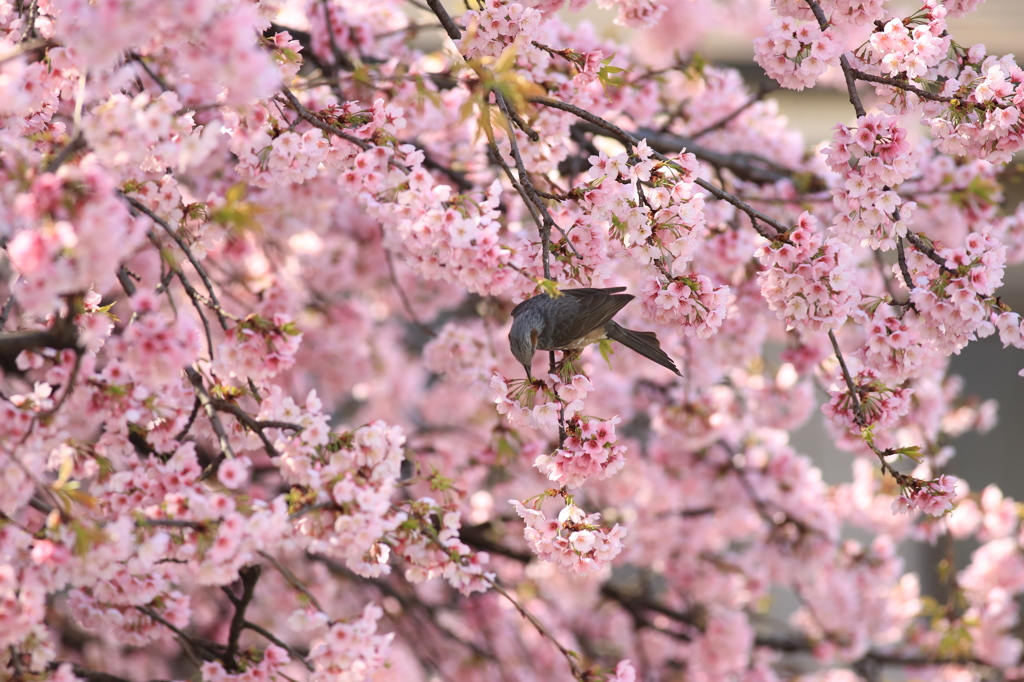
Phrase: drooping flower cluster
pixel 691 305
pixel 590 450
pixel 900 48
pixel 955 299
pixel 796 54
pixel 496 26
pixel 894 346
pixel 935 498
pixel 807 280
pixel 348 484
pixel 442 555
pixel 574 541
pixel 566 398
pixel 982 116
pixel 871 159
pixel 875 405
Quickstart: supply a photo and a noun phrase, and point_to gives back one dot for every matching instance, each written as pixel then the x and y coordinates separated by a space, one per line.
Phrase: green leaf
pixel 550 287
pixel 605 346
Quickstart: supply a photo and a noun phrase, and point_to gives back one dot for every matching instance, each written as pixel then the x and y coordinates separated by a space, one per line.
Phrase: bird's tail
pixel 644 343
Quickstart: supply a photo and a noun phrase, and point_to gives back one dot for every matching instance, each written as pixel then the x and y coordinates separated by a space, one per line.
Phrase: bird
pixel 574 320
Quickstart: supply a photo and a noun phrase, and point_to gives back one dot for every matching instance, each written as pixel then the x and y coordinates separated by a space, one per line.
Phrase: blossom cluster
pixel 692 305
pixel 574 541
pixel 351 651
pixel 496 26
pixel 871 159
pixel 797 54
pixel 955 299
pixel 807 279
pixel 912 50
pixel 590 450
pixel 935 498
pixel 428 555
pixel 83 232
pixel 256 263
pixel 874 404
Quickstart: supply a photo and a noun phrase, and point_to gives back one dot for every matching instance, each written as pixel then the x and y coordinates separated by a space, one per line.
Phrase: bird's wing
pixel 569 292
pixel 586 310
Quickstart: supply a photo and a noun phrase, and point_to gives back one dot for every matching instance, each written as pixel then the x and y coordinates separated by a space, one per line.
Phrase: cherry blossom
pixel 258 415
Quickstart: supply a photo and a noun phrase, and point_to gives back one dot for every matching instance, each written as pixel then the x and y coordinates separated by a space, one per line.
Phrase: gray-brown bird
pixel 575 320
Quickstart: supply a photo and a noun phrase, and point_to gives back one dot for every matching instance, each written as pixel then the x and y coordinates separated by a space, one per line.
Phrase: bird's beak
pixel 529 375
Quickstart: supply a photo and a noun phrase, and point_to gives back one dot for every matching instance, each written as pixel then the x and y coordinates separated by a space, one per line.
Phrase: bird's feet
pixel 568 366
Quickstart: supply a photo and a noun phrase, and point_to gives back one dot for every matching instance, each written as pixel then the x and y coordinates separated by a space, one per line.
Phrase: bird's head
pixel 522 338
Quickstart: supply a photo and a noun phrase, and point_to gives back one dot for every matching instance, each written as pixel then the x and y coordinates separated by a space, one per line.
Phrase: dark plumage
pixel 575 320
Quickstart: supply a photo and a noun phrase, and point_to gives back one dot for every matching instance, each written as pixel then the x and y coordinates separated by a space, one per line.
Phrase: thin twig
pixel 198 300
pixel 310 118
pixel 75 144
pixel 6 312
pixel 248 625
pixel 627 138
pixel 72 382
pixel 215 304
pixel 570 656
pixel 191 420
pixel 137 58
pixel 290 577
pixel 762 90
pixel 253 424
pixel 206 650
pixel 211 413
pixel 402 295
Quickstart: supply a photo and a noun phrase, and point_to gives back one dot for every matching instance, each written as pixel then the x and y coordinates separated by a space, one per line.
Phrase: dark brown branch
pixel 253 424
pixel 74 145
pixel 72 382
pixel 88 674
pixel 455 176
pixel 209 651
pixel 631 141
pixel 290 577
pixel 478 537
pixel 748 167
pixel 851 85
pixel 529 192
pixel 517 185
pixel 340 58
pixel 61 335
pixel 207 402
pixel 249 575
pixel 137 58
pixel 521 123
pixel 570 656
pixel 901 257
pixel 6 312
pixel 214 303
pixel 175 523
pixel 311 118
pixel 191 420
pixel 453 31
pixel 927 250
pixel 198 300
pixel 848 378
